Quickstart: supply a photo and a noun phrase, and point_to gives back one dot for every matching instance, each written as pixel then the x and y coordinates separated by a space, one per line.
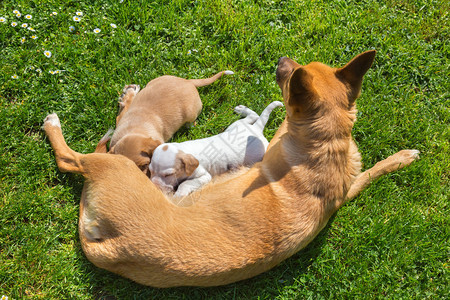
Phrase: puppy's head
pixel 137 148
pixel 170 166
pixel 315 90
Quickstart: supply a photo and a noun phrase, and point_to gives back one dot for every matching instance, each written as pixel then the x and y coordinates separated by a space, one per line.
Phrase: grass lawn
pixel 390 242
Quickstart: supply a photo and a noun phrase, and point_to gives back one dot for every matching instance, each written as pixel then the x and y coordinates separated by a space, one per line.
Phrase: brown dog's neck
pixel 324 152
pixel 322 127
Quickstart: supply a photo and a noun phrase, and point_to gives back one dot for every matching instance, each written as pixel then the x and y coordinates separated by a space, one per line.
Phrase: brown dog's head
pixel 316 90
pixel 137 148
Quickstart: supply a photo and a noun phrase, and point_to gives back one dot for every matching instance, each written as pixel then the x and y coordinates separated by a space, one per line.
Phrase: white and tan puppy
pixel 151 116
pixel 242 224
pixel 192 164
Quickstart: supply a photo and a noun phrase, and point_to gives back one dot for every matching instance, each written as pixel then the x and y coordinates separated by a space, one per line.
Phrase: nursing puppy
pixel 244 223
pixel 192 164
pixel 151 116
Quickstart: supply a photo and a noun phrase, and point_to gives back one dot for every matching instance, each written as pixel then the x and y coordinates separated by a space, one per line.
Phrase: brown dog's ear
pixel 300 82
pixel 300 86
pixel 150 145
pixel 189 162
pixel 354 71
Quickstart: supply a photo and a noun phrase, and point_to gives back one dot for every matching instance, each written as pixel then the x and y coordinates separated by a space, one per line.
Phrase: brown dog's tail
pixel 208 81
pixel 101 146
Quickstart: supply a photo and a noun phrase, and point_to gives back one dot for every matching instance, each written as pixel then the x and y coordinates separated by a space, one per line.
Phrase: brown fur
pixel 242 224
pixel 185 164
pixel 153 115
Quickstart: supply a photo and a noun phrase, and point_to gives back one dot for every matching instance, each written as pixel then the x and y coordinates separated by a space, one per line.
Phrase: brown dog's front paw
pixel 406 157
pixel 52 120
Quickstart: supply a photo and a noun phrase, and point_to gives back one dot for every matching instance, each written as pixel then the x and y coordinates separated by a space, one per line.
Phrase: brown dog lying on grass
pixel 241 224
pixel 151 116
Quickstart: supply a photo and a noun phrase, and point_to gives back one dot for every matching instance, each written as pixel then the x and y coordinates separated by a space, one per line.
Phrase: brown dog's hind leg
pixel 128 93
pixel 67 159
pixel 394 162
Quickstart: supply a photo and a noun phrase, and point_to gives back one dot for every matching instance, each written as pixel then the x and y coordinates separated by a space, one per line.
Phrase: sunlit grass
pixel 74 57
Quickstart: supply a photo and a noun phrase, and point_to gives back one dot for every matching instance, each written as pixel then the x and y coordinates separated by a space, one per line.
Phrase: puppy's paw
pixel 128 93
pixel 240 109
pixel 52 120
pixel 183 191
pixel 131 88
pixel 180 194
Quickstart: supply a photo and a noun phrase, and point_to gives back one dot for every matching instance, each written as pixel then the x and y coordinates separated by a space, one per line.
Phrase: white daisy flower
pixel 76 19
pixel 4 297
pixel 31 29
pixel 71 28
pixel 14 76
pixel 34 37
pixel 79 13
pixel 39 70
pixel 22 40
pixel 16 12
pixel 14 24
pixel 18 15
pixel 113 25
pixel 29 17
pixel 97 30
pixel 54 13
pixel 24 25
pixel 2 20
pixel 47 53
pixel 51 72
pixel 31 68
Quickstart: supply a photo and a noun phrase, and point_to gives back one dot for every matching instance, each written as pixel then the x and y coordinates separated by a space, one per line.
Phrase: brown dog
pixel 151 116
pixel 241 224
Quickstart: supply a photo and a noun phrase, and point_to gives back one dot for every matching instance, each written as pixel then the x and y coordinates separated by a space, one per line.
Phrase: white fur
pixel 53 120
pixel 242 143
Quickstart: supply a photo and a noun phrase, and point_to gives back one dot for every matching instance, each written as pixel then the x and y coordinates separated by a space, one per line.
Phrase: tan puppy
pixel 150 117
pixel 242 224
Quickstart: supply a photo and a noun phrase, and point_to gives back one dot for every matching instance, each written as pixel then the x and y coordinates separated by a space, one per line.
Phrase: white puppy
pixel 190 165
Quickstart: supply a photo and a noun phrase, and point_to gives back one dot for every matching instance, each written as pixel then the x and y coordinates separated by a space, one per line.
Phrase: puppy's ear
pixel 150 145
pixel 189 162
pixel 300 87
pixel 354 71
pixel 102 144
pixel 101 147
pixel 112 150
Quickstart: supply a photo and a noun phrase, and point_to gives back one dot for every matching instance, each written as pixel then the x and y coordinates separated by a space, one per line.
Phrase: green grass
pixel 392 241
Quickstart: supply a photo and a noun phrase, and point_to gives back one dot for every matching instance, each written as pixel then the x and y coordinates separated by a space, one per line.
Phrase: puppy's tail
pixel 101 146
pixel 264 117
pixel 208 81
